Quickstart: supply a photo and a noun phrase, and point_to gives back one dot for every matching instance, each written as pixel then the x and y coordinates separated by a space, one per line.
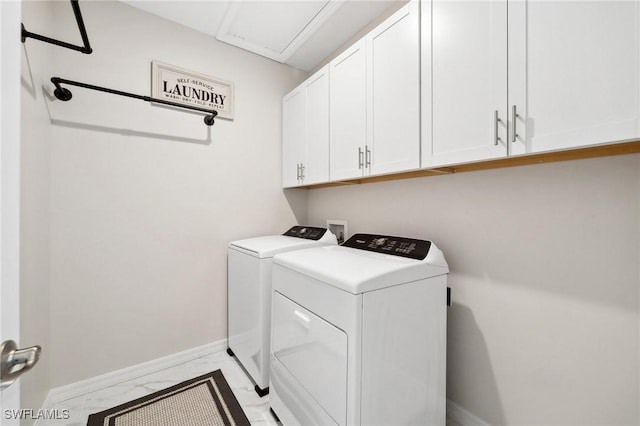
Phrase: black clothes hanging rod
pixel 86 48
pixel 65 94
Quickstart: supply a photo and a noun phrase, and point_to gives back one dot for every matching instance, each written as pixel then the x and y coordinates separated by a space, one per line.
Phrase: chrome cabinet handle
pixel 360 163
pixel 11 356
pixel 496 120
pixel 514 116
pixel 367 156
pixel 302 171
pixel 297 171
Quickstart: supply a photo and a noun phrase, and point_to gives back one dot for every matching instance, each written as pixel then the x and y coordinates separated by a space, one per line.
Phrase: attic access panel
pixel 274 29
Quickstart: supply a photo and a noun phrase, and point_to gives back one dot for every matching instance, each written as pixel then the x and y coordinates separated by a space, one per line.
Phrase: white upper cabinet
pixel 348 112
pixel 305 135
pixel 316 166
pixel 375 100
pixel 464 81
pixel 446 82
pixel 534 76
pixel 293 136
pixel 393 78
pixel 573 73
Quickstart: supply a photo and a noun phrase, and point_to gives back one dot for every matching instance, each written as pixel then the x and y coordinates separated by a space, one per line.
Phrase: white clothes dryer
pixel 249 294
pixel 359 333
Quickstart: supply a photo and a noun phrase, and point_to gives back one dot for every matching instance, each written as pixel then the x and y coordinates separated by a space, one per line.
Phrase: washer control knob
pixel 380 241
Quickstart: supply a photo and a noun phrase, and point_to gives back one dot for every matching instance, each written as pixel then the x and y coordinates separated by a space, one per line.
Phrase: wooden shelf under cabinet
pixel 621 148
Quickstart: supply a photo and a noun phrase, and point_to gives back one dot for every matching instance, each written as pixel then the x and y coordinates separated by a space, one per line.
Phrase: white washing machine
pixel 249 294
pixel 358 333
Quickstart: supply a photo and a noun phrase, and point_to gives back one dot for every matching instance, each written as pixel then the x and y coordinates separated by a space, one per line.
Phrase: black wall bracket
pixel 64 94
pixel 85 48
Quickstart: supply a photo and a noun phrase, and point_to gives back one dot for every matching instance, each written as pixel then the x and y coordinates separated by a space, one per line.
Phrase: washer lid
pixel 358 271
pixel 268 246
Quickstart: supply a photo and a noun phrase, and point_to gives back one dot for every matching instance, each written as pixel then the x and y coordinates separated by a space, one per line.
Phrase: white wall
pixel 544 266
pixel 143 200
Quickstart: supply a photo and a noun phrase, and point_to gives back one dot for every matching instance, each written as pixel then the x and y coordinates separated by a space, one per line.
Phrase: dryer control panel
pixel 306 232
pixel 396 246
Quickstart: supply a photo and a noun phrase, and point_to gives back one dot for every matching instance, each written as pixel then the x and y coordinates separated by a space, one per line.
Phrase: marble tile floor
pixel 255 408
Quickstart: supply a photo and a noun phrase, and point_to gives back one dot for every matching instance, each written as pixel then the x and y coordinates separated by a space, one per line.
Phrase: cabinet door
pixel 316 165
pixel 393 77
pixel 293 136
pixel 348 112
pixel 573 73
pixel 468 82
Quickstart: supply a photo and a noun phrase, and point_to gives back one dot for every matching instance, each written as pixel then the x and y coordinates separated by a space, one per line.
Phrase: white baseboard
pixel 83 387
pixel 462 416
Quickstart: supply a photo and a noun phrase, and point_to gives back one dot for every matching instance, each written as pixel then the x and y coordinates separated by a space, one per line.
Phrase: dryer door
pixel 314 351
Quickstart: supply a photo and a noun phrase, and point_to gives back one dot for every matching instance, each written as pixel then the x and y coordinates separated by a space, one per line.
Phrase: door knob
pixel 11 357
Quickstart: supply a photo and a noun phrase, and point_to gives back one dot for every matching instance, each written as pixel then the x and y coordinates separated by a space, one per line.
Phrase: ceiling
pixel 300 33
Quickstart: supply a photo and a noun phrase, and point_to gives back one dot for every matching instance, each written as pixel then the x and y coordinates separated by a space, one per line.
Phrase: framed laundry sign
pixel 186 87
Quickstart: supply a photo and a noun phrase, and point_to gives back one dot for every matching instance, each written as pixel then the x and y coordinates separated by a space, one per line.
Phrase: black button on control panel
pixel 306 232
pixel 397 246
